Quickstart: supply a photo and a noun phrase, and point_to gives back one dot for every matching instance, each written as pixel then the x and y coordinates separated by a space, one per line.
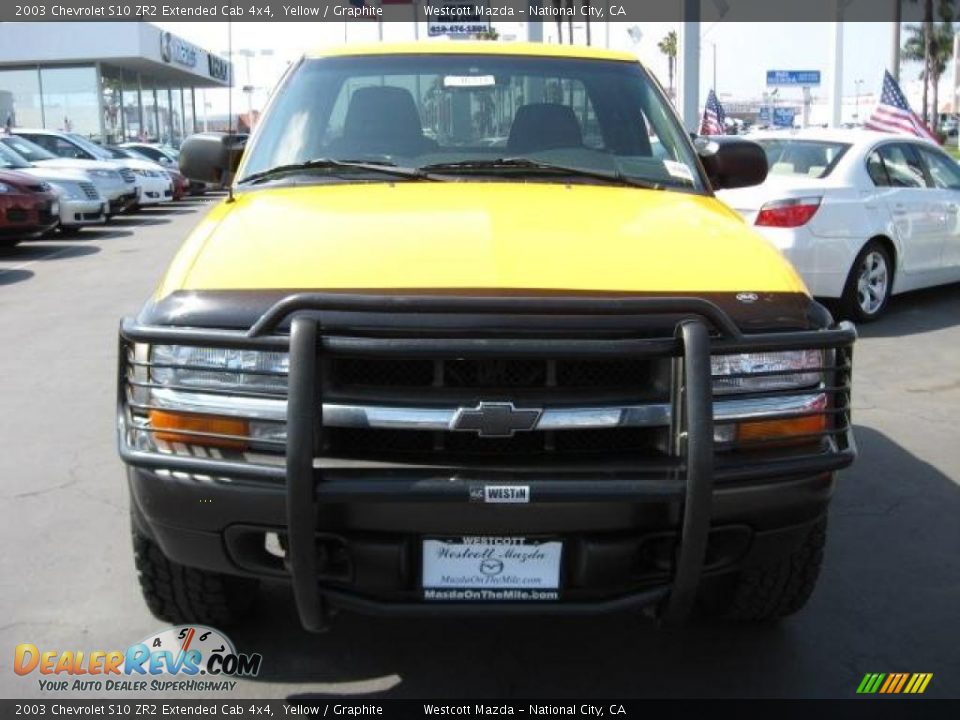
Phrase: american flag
pixel 713 117
pixel 894 115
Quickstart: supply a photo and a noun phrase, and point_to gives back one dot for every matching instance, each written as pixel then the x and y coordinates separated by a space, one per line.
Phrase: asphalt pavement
pixel 887 601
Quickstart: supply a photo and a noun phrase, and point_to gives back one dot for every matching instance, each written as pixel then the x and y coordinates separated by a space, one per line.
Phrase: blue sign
pixel 783 117
pixel 800 78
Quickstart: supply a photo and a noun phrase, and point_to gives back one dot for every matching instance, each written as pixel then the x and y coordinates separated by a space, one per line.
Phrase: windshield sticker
pixel 469 81
pixel 678 170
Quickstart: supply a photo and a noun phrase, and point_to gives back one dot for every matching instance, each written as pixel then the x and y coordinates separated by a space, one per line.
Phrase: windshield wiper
pixel 522 163
pixel 382 167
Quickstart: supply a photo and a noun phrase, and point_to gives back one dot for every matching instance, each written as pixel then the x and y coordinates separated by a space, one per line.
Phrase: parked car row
pixel 861 215
pixel 62 181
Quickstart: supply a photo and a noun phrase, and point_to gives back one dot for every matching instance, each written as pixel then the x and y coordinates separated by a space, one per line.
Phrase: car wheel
pixel 179 594
pixel 776 588
pixel 868 287
pixel 70 230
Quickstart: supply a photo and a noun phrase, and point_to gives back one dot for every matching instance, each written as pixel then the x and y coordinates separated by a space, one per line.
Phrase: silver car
pixel 81 203
pixel 117 184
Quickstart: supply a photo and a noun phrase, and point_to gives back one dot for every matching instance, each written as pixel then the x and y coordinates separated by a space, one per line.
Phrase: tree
pixel 935 58
pixel 931 45
pixel 668 46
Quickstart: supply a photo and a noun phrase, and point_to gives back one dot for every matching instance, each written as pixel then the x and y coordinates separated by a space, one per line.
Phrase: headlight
pixel 104 174
pixel 220 369
pixel 68 190
pixel 5 188
pixel 782 417
pixel 234 399
pixel 757 372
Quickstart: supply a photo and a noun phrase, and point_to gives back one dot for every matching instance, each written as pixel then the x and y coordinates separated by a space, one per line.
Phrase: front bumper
pixel 79 213
pixel 155 190
pixel 697 515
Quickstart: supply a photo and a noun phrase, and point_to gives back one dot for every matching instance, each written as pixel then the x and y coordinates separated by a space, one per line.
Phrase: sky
pixel 744 51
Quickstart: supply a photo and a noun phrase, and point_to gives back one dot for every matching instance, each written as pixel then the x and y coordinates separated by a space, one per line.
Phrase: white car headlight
pixel 5 188
pixel 104 173
pixel 69 190
pixel 758 372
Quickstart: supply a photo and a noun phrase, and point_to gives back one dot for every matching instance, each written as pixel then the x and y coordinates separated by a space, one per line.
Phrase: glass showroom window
pixel 188 112
pixel 132 122
pixel 163 114
pixel 176 116
pixel 20 98
pixel 111 98
pixel 149 98
pixel 71 100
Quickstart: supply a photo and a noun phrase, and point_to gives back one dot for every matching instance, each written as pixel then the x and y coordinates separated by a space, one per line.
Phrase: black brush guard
pixel 296 325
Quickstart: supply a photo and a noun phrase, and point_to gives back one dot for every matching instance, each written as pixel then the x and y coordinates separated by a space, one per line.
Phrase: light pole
pixel 248 88
pixel 856 111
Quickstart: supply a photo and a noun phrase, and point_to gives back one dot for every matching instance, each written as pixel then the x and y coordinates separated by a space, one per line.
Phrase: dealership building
pixel 109 81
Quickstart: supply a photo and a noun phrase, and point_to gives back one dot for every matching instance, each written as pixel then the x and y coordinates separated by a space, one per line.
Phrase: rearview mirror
pixel 731 162
pixel 212 157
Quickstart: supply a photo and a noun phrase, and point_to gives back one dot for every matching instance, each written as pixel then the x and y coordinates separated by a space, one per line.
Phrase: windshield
pixel 91 147
pixel 444 110
pixel 809 158
pixel 26 149
pixel 9 160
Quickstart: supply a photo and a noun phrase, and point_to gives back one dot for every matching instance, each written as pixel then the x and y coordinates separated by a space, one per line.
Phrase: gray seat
pixel 382 121
pixel 544 126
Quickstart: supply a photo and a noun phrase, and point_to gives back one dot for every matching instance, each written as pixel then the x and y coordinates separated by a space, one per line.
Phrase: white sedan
pixel 861 215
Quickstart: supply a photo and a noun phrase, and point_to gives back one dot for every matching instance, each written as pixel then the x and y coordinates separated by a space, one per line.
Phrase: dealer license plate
pixel 491 568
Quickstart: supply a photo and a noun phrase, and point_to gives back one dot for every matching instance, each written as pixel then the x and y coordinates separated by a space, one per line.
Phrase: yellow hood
pixel 476 235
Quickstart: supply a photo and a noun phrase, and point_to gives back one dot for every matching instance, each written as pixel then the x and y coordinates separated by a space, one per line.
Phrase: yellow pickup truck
pixel 471 334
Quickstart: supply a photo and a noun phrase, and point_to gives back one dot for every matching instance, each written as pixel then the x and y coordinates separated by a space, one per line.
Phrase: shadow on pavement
pixel 9 277
pixel 160 211
pixel 886 601
pixel 42 250
pixel 136 219
pixel 917 312
pixel 98 233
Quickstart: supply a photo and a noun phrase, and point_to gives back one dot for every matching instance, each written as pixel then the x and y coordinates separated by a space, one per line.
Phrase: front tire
pixel 867 292
pixel 179 594
pixel 775 589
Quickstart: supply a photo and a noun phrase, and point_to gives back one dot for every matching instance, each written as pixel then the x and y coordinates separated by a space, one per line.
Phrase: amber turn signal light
pixel 176 427
pixel 794 429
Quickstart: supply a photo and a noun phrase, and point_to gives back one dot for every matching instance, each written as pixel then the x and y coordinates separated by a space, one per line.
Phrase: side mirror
pixel 731 162
pixel 212 157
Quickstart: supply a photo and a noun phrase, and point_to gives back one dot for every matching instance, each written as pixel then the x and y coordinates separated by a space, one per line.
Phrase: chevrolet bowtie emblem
pixel 496 419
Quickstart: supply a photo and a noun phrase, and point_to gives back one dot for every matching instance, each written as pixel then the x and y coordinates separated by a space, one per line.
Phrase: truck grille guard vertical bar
pixel 693 343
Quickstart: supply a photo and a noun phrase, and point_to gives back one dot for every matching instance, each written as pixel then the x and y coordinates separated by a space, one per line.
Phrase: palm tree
pixel 668 46
pixel 935 59
pixel 925 44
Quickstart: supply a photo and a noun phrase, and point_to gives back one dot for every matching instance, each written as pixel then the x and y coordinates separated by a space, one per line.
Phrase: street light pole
pixel 856 111
pixel 715 69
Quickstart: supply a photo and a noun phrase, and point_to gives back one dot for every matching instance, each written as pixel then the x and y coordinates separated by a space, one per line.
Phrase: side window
pixel 44 141
pixel 877 171
pixel 944 171
pixel 67 149
pixel 903 166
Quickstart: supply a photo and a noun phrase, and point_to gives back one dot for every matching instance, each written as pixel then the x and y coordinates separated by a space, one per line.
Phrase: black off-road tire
pixel 180 594
pixel 778 589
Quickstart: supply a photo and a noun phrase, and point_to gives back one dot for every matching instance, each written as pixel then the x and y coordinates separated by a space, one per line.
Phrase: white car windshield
pixel 463 114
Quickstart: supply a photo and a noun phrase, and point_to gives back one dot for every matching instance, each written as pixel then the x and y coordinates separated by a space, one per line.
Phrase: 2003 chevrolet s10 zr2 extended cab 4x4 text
pixel 472 335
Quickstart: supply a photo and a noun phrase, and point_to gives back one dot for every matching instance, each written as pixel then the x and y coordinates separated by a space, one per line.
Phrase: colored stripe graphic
pixel 894 683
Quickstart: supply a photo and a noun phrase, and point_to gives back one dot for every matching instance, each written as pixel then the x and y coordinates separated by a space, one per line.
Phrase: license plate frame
pixel 491 568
